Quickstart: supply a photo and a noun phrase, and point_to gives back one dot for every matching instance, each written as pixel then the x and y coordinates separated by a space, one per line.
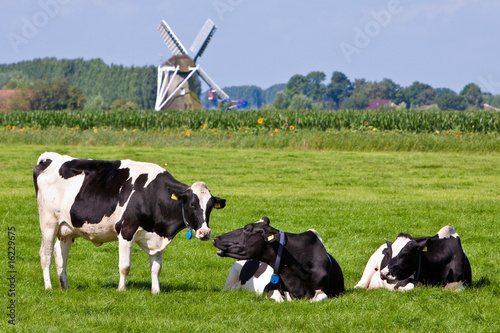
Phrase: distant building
pixel 12 98
pixel 489 107
pixel 375 104
pixel 5 96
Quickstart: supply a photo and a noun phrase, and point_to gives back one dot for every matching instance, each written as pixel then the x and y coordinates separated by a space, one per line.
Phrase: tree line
pixel 55 84
pixel 311 92
pixel 99 85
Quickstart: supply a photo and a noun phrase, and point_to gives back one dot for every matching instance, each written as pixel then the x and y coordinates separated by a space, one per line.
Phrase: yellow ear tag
pixel 217 205
pixel 174 197
pixel 270 238
pixel 424 249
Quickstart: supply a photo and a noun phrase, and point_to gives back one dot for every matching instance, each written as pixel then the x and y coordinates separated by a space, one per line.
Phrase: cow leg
pixel 46 249
pixel 61 253
pixel 155 266
pixel 318 296
pixel 372 268
pixel 125 252
pixel 234 275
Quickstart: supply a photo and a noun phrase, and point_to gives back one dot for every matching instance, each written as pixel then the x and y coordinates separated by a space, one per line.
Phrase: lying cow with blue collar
pixel 302 267
pixel 437 261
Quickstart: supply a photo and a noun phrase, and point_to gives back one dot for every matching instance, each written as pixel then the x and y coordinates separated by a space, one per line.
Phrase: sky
pixel 438 42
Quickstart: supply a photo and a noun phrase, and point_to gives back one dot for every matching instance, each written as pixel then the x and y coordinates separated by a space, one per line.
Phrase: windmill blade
pixel 204 36
pixel 212 84
pixel 173 43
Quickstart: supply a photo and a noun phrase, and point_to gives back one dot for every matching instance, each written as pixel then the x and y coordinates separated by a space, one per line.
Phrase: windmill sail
pixel 212 84
pixel 171 39
pixel 204 36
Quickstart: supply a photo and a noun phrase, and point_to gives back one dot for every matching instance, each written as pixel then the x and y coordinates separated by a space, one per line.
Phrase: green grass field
pixel 356 200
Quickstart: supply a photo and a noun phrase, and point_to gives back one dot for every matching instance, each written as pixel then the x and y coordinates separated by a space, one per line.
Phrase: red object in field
pixel 211 95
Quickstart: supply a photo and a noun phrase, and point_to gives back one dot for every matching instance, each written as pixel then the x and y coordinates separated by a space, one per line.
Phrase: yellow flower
pixel 187 133
pixel 134 131
pixel 14 127
pixel 95 130
pixel 124 129
pixel 292 128
pixel 260 120
pixel 77 127
pixel 437 132
pixel 8 127
pixel 275 130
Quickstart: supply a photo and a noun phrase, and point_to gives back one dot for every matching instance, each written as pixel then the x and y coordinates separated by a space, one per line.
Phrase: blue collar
pixel 275 277
pixel 189 234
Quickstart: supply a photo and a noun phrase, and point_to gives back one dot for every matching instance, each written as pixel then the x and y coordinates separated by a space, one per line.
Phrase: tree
pixel 300 102
pixel 297 85
pixel 94 103
pixel 416 95
pixel 339 88
pixel 472 95
pixel 386 89
pixel 282 100
pixel 315 89
pixel 357 101
pixel 451 101
pixel 56 94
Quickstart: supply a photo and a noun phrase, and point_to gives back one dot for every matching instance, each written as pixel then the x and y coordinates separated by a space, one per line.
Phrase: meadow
pixel 356 195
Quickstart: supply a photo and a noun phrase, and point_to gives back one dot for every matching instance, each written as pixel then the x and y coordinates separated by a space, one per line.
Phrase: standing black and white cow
pixel 105 201
pixel 436 260
pixel 301 263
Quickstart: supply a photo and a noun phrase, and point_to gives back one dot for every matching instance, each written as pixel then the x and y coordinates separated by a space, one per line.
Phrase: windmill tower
pixel 176 89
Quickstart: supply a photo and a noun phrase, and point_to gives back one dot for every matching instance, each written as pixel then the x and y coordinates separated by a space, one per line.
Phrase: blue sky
pixel 441 43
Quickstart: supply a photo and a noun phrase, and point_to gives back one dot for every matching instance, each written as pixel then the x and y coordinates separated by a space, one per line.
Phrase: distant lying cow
pixel 124 201
pixel 304 269
pixel 438 261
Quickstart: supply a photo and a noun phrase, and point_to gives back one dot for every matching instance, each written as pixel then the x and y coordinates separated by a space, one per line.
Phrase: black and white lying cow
pixel 436 260
pixel 252 275
pixel 105 201
pixel 302 267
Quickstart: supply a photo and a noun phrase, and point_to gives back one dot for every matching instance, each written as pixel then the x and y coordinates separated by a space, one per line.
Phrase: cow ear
pixel 219 203
pixel 422 245
pixel 178 195
pixel 271 236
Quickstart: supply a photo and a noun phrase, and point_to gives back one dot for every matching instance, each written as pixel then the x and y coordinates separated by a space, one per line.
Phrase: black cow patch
pixel 38 170
pixel 252 268
pixel 100 192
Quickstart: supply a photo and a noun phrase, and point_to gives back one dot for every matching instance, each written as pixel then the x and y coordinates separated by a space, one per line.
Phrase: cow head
pixel 249 242
pixel 198 203
pixel 401 258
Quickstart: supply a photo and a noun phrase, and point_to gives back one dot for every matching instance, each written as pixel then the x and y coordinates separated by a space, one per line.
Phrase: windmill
pixel 176 89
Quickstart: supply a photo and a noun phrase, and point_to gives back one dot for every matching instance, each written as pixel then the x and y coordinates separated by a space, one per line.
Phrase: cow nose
pixel 203 234
pixel 384 273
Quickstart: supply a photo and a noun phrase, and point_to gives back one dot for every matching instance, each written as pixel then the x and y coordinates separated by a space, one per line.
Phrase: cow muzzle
pixel 203 234
pixel 384 275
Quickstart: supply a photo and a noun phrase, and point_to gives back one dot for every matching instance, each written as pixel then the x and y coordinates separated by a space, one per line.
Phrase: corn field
pixel 352 120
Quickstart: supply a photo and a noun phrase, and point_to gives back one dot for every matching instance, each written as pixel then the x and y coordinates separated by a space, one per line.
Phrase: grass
pixel 354 199
pixel 346 140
